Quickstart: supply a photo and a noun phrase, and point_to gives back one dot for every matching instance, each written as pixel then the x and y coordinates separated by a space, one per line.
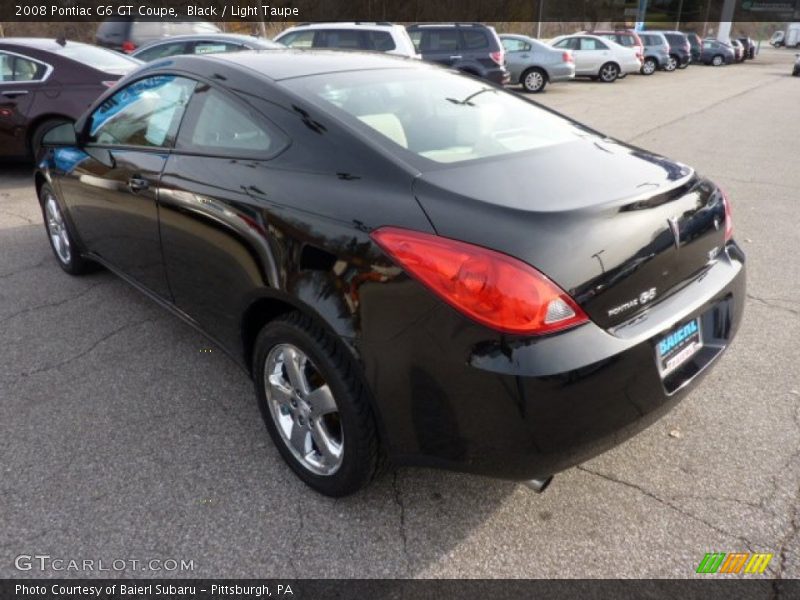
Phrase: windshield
pixel 436 114
pixel 99 58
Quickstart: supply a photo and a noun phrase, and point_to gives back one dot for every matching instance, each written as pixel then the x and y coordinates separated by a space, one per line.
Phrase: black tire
pixel 533 80
pixel 683 65
pixel 38 134
pixel 717 60
pixel 649 66
pixel 72 261
pixel 609 72
pixel 361 453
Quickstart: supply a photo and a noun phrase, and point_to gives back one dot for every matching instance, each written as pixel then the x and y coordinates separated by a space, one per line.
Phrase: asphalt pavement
pixel 125 436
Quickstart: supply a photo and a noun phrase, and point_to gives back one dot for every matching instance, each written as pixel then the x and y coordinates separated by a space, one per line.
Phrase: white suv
pixel 378 37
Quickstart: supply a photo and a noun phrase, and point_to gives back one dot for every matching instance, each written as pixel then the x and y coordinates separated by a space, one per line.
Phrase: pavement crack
pixel 398 500
pixel 792 532
pixel 28 220
pixel 38 307
pixel 90 349
pixel 748 544
pixel 773 303
pixel 38 265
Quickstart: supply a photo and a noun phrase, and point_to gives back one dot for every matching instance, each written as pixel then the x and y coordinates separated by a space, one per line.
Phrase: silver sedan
pixel 534 64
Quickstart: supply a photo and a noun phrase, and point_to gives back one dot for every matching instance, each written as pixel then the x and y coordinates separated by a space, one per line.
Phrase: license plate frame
pixel 678 346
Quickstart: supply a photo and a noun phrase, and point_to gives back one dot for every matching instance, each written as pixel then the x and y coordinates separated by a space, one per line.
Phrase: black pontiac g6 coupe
pixel 353 230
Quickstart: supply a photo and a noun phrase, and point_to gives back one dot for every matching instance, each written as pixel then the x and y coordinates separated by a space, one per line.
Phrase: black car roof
pixel 188 37
pixel 284 64
pixel 45 44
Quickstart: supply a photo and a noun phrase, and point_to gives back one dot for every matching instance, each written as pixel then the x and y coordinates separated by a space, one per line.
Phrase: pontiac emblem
pixel 676 232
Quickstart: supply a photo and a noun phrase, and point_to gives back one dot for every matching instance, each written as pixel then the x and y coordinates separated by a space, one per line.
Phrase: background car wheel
pixel 534 80
pixel 683 65
pixel 609 73
pixel 62 241
pixel 38 134
pixel 315 406
pixel 672 64
pixel 717 60
pixel 649 67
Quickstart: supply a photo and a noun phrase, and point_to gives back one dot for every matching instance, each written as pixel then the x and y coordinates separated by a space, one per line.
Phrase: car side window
pixel 514 45
pixel 439 40
pixel 146 113
pixel 569 44
pixel 162 51
pixel 381 41
pixel 592 44
pixel 475 39
pixel 217 124
pixel 216 47
pixel 17 68
pixel 344 39
pixel 299 39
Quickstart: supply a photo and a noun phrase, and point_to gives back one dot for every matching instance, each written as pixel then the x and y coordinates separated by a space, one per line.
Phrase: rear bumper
pixel 459 397
pixel 556 73
pixel 500 75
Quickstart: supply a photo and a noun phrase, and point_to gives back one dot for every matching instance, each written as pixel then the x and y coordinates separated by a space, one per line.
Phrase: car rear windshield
pixel 439 116
pixel 99 58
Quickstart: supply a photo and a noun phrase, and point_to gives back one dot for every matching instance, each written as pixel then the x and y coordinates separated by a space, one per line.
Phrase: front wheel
pixel 533 81
pixel 672 64
pixel 609 73
pixel 59 233
pixel 649 67
pixel 315 406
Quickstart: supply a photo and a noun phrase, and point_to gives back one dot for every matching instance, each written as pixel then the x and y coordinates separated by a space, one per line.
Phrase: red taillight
pixel 494 289
pixel 567 57
pixel 728 217
pixel 128 47
pixel 498 57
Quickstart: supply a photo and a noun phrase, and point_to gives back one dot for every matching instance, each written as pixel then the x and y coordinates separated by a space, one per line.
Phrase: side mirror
pixel 61 135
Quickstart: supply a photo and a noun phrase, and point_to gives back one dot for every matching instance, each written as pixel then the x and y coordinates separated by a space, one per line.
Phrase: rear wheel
pixel 672 63
pixel 717 60
pixel 609 73
pixel 683 65
pixel 59 233
pixel 649 67
pixel 533 80
pixel 315 406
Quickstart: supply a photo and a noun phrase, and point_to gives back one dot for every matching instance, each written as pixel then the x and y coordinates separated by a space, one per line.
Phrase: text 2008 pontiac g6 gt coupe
pixel 411 263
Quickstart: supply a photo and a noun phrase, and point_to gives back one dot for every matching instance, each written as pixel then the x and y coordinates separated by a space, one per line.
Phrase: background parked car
pixel 378 37
pixel 472 48
pixel 128 35
pixel 597 57
pixel 656 52
pixel 202 44
pixel 749 47
pixel 533 64
pixel 738 49
pixel 716 53
pixel 680 50
pixel 624 37
pixel 44 82
pixel 695 45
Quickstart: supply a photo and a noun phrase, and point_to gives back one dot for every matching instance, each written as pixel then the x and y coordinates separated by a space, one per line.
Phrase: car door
pixel 517 56
pixel 442 46
pixel 20 78
pixel 111 191
pixel 593 54
pixel 214 234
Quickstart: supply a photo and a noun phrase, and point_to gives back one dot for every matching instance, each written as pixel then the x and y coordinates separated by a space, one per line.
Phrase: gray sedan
pixel 533 64
pixel 209 43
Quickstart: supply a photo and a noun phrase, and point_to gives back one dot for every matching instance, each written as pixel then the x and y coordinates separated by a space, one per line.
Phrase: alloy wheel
pixel 533 81
pixel 57 229
pixel 303 409
pixel 609 73
pixel 716 61
pixel 672 64
pixel 649 67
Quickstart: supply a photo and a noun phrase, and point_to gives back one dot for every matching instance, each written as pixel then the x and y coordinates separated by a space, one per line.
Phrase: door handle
pixel 137 184
pixel 15 93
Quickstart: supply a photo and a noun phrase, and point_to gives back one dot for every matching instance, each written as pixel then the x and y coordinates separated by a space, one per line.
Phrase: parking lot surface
pixel 124 435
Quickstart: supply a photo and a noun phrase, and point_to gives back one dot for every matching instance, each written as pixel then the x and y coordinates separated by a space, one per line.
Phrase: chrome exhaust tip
pixel 538 485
